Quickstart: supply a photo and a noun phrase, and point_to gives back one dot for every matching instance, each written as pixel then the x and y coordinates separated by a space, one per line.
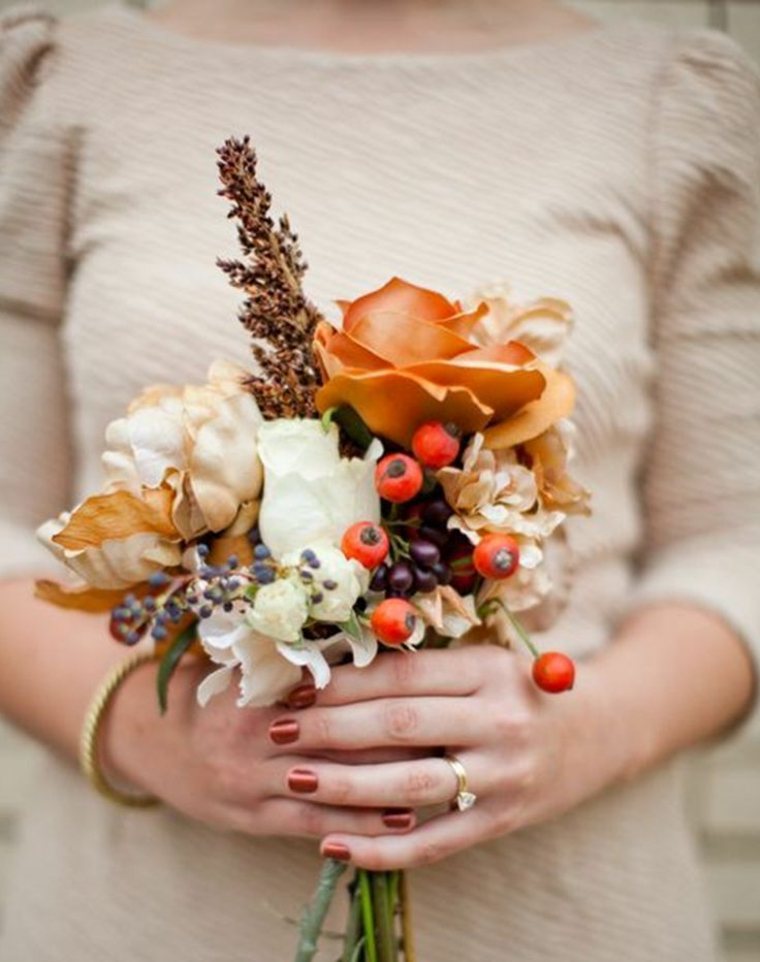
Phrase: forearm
pixel 51 662
pixel 674 676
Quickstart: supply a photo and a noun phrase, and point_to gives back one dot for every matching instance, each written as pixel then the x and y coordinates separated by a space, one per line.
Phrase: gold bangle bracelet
pixel 89 760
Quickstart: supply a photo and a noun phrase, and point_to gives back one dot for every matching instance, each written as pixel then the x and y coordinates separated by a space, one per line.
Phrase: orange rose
pixel 406 355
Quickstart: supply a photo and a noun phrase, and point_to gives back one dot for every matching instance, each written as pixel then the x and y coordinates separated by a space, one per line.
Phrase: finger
pixel 430 781
pixel 373 756
pixel 397 673
pixel 435 840
pixel 306 819
pixel 390 721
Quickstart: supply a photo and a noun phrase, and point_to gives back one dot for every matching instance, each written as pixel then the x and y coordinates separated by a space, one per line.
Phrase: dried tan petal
pixel 116 516
pixel 81 597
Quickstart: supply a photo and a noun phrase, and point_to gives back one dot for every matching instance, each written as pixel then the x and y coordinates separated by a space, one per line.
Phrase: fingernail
pixel 284 732
pixel 303 781
pixel 337 851
pixel 398 817
pixel 302 697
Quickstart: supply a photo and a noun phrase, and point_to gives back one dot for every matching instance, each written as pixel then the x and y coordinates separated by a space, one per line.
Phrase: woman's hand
pixel 528 755
pixel 217 764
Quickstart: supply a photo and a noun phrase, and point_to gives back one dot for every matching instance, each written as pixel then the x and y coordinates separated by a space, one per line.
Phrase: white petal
pixel 213 684
pixel 308 656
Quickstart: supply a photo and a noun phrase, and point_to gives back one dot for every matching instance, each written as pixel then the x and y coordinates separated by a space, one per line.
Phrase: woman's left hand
pixel 528 755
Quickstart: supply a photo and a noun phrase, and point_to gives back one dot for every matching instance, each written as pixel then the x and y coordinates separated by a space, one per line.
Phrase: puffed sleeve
pixel 35 167
pixel 701 482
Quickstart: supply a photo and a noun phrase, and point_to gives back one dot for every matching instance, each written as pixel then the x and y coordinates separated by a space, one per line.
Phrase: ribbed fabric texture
pixel 618 169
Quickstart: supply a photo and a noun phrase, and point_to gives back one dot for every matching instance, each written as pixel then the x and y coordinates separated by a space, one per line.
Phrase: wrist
pixel 130 717
pixel 612 741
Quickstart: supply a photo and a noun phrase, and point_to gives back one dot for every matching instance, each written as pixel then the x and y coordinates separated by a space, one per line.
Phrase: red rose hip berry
pixel 496 556
pixel 394 621
pixel 366 542
pixel 436 445
pixel 398 478
pixel 554 672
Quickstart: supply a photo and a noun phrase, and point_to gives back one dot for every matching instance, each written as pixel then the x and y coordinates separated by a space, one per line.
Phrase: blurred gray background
pixel 724 794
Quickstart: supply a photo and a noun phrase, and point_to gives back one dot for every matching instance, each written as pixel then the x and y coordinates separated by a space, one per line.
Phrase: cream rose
pixel 199 440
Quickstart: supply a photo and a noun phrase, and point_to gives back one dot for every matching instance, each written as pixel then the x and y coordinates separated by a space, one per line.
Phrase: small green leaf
pixel 352 627
pixel 327 418
pixel 170 661
pixel 354 426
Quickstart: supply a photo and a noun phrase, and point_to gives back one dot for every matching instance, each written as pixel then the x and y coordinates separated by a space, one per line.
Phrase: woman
pixel 455 143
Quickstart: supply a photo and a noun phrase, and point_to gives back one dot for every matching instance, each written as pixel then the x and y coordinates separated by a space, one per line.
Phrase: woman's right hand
pixel 217 764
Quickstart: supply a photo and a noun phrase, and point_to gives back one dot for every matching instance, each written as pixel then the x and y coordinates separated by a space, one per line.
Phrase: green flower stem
pixel 353 935
pixel 522 633
pixel 407 928
pixel 489 606
pixel 368 918
pixel 315 913
pixel 386 936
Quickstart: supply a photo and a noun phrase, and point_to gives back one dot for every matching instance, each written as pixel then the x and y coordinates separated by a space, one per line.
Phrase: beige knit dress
pixel 618 169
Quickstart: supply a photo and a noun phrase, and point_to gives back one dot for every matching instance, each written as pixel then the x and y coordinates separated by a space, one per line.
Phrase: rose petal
pixel 379 396
pixel 498 387
pixel 400 296
pixel 337 350
pixel 556 402
pixel 402 340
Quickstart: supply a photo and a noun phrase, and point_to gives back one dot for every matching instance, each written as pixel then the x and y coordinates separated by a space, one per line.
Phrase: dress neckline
pixel 292 54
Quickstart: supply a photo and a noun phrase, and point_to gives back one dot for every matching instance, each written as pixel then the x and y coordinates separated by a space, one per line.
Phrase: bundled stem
pixel 276 311
pixel 314 917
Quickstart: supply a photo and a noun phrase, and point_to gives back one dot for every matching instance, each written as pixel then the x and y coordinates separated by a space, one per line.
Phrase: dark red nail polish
pixel 398 818
pixel 284 732
pixel 303 781
pixel 337 851
pixel 302 697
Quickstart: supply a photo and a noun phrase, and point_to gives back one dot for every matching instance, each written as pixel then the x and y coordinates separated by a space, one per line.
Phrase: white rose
pixel 338 583
pixel 311 494
pixel 280 610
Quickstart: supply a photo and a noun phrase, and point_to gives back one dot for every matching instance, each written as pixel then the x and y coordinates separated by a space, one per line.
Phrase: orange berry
pixel 554 672
pixel 398 478
pixel 436 444
pixel 394 621
pixel 496 556
pixel 367 542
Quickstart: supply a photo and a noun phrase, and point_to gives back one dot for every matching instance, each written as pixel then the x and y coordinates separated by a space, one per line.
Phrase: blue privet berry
pixel 233 584
pixel 203 550
pixel 158 579
pixel 129 600
pixel 306 576
pixel 132 638
pixel 192 599
pixel 266 577
pixel 261 552
pixel 150 603
pixel 208 594
pixel 206 611
pixel 308 555
pixel 330 585
pixel 233 561
pixel 158 632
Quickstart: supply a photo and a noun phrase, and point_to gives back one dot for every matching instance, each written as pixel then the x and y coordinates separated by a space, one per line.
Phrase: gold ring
pixel 464 798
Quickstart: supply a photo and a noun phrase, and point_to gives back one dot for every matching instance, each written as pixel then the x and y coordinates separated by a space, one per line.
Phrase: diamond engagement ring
pixel 464 798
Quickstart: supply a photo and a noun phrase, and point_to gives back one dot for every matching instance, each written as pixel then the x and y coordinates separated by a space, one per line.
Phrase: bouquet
pixel 398 481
